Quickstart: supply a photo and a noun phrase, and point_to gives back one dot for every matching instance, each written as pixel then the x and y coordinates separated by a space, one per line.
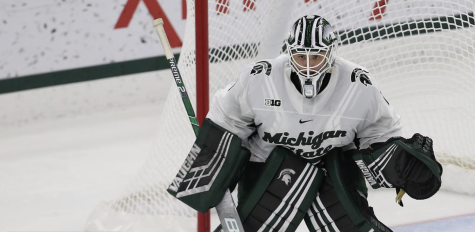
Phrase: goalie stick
pixel 226 209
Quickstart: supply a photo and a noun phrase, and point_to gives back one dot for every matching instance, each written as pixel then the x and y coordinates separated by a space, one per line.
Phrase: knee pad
pixel 339 206
pixel 282 194
pixel 248 179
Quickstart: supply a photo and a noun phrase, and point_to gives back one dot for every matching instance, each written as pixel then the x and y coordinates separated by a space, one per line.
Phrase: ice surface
pixel 459 224
pixel 52 175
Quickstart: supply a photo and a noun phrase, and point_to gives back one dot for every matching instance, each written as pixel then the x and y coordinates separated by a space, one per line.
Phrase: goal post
pixel 202 83
pixel 421 52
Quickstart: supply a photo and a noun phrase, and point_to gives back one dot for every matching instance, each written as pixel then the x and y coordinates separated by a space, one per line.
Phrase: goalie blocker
pixel 210 169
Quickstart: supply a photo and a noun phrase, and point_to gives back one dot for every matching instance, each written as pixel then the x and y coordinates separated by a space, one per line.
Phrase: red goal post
pixel 202 83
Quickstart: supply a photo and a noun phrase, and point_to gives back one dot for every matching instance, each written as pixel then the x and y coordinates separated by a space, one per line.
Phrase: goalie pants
pixel 327 211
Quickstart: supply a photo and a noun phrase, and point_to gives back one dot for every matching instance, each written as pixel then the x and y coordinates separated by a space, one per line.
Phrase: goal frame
pixel 202 83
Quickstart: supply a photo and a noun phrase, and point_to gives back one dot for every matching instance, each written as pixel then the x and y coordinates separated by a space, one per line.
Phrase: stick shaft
pixel 158 24
pixel 226 209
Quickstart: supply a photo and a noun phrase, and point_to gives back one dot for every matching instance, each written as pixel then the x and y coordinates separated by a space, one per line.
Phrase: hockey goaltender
pixel 299 135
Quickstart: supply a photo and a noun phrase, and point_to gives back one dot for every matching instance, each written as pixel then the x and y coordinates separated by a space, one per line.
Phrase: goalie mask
pixel 312 45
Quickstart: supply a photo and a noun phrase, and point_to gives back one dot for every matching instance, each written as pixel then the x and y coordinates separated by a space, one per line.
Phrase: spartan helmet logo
pixel 285 176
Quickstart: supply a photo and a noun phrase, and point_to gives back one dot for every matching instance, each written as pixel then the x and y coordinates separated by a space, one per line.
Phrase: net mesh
pixel 421 52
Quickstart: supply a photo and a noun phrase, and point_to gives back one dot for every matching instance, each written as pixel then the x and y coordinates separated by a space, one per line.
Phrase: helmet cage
pixel 311 37
pixel 310 63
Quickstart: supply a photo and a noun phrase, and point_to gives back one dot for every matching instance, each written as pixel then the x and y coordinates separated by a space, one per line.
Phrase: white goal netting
pixel 422 53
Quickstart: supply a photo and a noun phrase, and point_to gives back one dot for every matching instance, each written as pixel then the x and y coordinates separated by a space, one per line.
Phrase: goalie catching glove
pixel 407 164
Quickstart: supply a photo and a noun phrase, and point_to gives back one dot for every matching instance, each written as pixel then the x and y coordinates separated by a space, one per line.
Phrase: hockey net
pixel 422 53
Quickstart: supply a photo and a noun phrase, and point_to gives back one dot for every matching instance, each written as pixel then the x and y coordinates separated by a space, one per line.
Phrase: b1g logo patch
pixel 272 102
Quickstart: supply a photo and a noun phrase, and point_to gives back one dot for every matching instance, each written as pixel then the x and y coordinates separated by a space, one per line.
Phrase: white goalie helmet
pixel 312 45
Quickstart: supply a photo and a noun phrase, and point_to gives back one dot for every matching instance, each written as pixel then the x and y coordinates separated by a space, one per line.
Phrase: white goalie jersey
pixel 264 108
